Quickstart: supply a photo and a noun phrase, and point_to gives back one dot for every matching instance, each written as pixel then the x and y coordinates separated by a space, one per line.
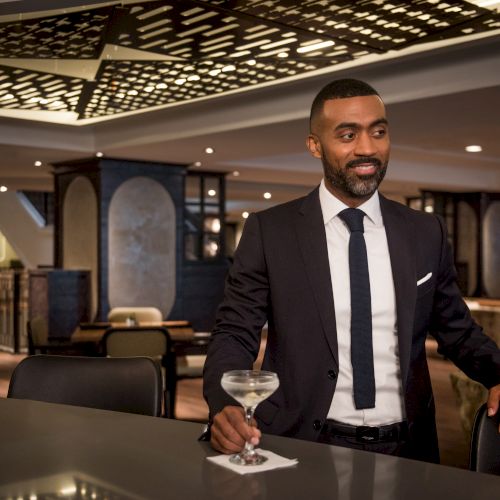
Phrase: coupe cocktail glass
pixel 249 388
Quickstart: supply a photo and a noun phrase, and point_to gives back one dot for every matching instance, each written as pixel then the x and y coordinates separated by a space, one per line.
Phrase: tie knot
pixel 353 217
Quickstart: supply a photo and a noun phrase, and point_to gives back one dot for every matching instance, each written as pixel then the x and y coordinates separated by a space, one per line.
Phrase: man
pixel 294 268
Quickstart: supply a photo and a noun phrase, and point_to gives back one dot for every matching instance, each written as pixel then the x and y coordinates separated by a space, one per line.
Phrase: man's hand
pixel 493 401
pixel 229 430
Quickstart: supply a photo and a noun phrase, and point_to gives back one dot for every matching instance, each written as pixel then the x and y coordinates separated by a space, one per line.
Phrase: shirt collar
pixel 331 206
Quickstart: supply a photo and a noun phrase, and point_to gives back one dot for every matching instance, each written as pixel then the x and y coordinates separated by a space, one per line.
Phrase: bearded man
pixel 350 284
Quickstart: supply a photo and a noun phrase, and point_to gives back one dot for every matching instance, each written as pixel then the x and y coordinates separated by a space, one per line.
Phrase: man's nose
pixel 365 145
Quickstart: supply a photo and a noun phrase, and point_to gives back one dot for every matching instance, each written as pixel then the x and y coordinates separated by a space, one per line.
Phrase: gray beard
pixel 352 184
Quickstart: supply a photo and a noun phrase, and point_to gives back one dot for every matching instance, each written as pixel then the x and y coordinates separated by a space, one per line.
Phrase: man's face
pixel 351 138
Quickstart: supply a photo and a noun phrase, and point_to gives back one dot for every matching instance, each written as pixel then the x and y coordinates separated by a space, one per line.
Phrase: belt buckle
pixel 367 434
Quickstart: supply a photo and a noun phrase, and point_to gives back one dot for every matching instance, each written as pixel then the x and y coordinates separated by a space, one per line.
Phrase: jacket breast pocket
pixel 425 288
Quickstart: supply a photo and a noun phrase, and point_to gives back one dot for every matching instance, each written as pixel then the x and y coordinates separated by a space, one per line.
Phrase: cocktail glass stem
pixel 249 449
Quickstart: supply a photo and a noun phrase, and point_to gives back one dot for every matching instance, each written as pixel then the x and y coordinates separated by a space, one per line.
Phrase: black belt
pixel 366 434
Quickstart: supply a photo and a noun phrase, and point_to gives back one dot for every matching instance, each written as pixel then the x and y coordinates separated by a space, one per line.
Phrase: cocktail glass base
pixel 247 459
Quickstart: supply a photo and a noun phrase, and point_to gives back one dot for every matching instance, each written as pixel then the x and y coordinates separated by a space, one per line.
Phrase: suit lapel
pixel 400 237
pixel 311 237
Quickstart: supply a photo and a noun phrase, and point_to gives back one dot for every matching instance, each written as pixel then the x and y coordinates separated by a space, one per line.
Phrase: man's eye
pixel 380 132
pixel 348 136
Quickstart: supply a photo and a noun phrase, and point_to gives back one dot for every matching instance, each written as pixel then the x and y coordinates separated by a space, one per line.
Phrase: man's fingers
pixel 230 431
pixel 493 400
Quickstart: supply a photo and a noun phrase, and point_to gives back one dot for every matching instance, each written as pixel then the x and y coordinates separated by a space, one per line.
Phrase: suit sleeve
pixel 235 339
pixel 459 337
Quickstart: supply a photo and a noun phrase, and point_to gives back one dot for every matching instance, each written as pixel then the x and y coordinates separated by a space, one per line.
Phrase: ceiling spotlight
pixel 212 192
pixel 148 89
pixel 99 154
pixel 193 78
pixel 180 81
pixel 196 164
pixel 252 62
pixel 474 148
pixel 209 150
pixel 161 86
pixel 236 173
pixel 315 46
pixel 267 195
pixel 283 54
pixel 229 67
pixel 3 189
pixel 245 215
pixel 214 72
pixel 43 101
pixel 38 163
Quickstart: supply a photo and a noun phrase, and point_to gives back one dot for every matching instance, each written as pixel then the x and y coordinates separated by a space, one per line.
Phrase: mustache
pixel 365 159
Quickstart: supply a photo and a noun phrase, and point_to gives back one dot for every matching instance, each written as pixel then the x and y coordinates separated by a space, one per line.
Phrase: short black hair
pixel 339 89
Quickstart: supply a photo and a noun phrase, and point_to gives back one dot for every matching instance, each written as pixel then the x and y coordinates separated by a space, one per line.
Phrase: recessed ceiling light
pixel 474 148
pixel 245 215
pixel 193 78
pixel 99 154
pixel 252 62
pixel 229 67
pixel 267 195
pixel 161 86
pixel 180 81
pixel 3 189
pixel 283 54
pixel 38 163
pixel 236 173
pixel 209 150
pixel 214 72
pixel 212 192
pixel 196 164
pixel 315 46
pixel 148 89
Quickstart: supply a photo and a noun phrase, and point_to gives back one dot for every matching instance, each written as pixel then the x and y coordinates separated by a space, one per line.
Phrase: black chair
pixel 38 339
pixel 131 385
pixel 485 443
pixel 153 342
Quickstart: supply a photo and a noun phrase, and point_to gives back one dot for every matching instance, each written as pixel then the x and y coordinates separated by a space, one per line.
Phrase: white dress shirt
pixel 389 406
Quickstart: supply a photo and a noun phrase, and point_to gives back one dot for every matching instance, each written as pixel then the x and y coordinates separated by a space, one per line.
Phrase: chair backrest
pixel 485 443
pixel 39 330
pixel 153 342
pixel 132 385
pixel 148 314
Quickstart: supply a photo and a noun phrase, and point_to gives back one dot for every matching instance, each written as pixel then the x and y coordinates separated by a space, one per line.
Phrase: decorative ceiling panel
pixel 376 24
pixel 195 30
pixel 70 36
pixel 211 47
pixel 36 91
pixel 134 85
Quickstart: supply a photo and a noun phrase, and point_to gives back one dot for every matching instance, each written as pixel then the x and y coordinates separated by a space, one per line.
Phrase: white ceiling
pixel 439 97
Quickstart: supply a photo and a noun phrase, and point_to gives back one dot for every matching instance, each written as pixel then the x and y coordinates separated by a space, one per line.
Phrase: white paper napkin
pixel 273 462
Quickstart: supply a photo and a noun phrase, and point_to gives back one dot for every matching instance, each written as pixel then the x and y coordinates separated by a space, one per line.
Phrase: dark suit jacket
pixel 281 274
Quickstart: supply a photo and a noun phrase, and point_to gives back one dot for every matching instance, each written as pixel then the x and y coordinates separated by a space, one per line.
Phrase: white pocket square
pixel 427 277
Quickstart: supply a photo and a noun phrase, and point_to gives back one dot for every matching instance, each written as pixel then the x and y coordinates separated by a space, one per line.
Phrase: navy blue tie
pixel 361 312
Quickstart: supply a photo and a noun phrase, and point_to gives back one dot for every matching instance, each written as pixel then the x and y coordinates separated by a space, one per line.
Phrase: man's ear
pixel 313 145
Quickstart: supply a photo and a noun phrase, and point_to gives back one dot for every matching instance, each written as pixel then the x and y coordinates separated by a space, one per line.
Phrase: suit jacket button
pixel 332 375
pixel 317 425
